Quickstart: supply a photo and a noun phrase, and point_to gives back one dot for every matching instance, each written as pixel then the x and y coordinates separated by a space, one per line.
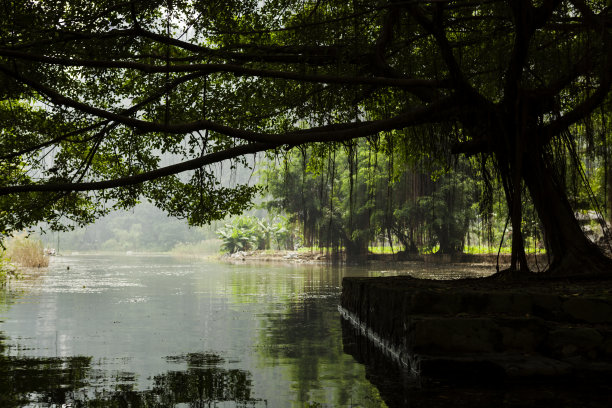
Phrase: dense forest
pixel 380 192
pixel 359 197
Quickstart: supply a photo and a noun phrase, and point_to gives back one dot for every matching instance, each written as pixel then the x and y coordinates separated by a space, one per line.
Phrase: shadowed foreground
pixel 493 342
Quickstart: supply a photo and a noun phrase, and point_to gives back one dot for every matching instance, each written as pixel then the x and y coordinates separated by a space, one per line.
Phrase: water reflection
pixel 399 388
pixel 45 380
pixel 204 381
pixel 306 339
pixel 271 336
pixel 300 337
pixel 70 381
pixel 394 382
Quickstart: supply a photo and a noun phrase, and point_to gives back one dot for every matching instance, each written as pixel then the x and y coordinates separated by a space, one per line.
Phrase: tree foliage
pixel 251 233
pixel 95 93
pixel 375 192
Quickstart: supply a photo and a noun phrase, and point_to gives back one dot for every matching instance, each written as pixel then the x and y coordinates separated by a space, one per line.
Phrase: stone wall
pixel 461 330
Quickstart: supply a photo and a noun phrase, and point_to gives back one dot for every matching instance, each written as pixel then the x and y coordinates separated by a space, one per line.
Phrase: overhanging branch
pixel 143 177
pixel 332 133
pixel 238 70
pixel 340 131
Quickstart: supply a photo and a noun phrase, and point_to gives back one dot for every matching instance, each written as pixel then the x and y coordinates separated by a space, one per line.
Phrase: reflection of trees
pixel 203 382
pixel 289 336
pixel 60 380
pixel 8 295
pixel 49 380
pixel 306 337
pixel 398 388
pixel 45 379
pixel 393 382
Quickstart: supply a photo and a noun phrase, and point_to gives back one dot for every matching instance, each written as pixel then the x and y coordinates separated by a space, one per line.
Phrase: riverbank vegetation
pixel 5 267
pixel 251 233
pixel 24 251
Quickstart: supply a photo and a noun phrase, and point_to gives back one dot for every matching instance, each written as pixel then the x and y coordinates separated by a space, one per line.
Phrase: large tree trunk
pixel 570 251
pixel 356 250
pixel 609 177
pixel 446 240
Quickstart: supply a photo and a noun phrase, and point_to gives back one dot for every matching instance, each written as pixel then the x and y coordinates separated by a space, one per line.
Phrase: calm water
pixel 161 331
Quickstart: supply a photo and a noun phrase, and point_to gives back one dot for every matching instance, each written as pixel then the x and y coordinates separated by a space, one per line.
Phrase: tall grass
pixel 26 252
pixel 4 265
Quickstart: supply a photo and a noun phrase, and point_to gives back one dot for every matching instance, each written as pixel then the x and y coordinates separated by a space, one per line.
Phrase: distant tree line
pixel 145 228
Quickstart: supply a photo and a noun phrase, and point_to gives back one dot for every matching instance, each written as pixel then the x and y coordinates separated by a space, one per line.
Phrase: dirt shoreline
pixel 299 257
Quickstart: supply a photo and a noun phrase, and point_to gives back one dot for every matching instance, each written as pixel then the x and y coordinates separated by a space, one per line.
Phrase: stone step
pixel 508 366
pixel 477 368
pixel 434 334
pixel 492 367
pixel 462 329
pixel 380 298
pixel 468 334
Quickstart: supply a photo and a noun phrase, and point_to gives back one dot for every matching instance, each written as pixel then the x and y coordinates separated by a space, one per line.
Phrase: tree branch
pixel 438 111
pixel 605 79
pixel 125 112
pixel 143 177
pixel 189 127
pixel 436 28
pixel 527 19
pixel 229 68
pixel 383 41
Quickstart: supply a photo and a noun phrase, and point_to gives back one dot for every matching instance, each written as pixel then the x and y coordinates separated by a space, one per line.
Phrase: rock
pixel 439 335
pixel 522 334
pixel 239 255
pixel 536 366
pixel 606 347
pixel 489 368
pixel 570 341
pixel 588 310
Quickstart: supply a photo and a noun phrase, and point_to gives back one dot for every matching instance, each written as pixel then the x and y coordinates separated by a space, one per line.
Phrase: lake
pixel 102 330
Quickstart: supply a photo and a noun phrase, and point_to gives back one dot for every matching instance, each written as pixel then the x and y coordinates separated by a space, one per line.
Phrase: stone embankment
pixel 479 330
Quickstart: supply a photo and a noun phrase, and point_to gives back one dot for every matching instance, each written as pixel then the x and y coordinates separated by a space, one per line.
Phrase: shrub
pixel 3 269
pixel 240 235
pixel 27 252
pixel 247 233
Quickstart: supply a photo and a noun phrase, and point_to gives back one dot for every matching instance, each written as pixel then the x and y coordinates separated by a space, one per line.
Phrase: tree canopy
pixel 113 101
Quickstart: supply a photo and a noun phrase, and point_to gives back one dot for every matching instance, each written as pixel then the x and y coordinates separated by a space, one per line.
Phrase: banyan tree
pixel 114 101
